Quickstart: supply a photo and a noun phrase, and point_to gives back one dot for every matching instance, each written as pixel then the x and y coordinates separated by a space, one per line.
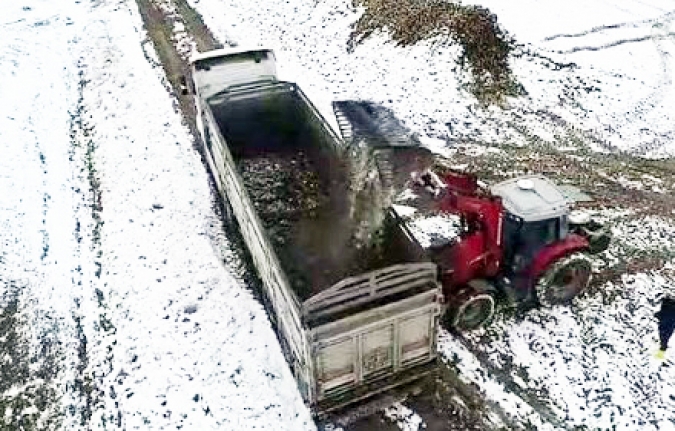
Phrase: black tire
pixel 471 310
pixel 564 280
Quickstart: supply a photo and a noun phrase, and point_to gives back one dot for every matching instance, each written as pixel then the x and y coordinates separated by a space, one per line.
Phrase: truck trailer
pixel 353 321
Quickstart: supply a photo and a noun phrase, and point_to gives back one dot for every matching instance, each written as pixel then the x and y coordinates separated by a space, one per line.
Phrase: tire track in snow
pixel 661 35
pixel 33 341
pixel 90 309
pixel 82 383
pixel 617 43
pixel 664 85
pixel 653 140
pixel 602 28
pixel 649 103
pixel 502 370
pixel 43 167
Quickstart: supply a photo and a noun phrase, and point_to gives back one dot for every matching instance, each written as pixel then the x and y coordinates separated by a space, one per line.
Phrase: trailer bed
pixel 298 184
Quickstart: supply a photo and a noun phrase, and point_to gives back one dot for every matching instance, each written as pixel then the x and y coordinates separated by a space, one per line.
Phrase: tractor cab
pixel 535 216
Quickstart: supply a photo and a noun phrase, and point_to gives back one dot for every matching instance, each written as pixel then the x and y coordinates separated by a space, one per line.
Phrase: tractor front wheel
pixel 565 279
pixel 471 309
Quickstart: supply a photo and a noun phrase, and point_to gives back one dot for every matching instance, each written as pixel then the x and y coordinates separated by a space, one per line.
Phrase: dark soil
pixel 160 27
pixel 33 372
pixel 443 402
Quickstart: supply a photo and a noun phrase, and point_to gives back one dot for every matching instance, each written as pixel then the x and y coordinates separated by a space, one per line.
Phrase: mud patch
pixel 439 402
pixel 161 19
pixel 27 378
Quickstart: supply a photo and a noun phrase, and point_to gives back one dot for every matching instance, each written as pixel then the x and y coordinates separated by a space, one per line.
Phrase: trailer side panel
pixel 277 288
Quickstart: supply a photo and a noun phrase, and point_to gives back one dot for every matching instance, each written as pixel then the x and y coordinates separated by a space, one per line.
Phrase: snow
pixel 406 419
pixel 624 47
pixel 621 93
pixel 110 241
pixel 586 365
pixel 547 19
pixel 435 230
pixel 128 290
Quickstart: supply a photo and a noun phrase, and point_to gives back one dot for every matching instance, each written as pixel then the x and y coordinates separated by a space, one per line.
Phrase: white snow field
pixel 111 249
pixel 621 92
pixel 110 246
pixel 589 365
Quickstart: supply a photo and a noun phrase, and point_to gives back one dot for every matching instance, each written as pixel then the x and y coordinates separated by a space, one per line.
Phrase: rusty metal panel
pixel 415 338
pixel 377 350
pixel 336 364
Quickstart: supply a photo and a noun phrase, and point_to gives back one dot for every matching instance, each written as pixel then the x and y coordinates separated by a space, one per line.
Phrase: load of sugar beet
pixel 324 231
pixel 288 195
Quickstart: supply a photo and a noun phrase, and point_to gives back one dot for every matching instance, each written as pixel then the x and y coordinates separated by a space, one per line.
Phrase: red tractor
pixel 517 241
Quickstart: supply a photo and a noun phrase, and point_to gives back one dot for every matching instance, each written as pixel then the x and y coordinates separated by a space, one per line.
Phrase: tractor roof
pixel 531 197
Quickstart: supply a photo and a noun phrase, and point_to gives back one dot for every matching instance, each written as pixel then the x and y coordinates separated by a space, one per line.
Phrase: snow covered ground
pixel 621 92
pixel 127 316
pixel 589 365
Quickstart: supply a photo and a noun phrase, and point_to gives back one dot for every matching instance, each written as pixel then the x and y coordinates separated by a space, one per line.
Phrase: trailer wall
pixel 285 305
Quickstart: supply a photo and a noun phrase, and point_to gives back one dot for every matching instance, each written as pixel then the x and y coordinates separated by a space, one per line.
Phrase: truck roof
pixel 531 197
pixel 285 72
pixel 227 51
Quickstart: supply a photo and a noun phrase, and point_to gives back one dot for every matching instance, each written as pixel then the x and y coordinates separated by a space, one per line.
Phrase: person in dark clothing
pixel 666 317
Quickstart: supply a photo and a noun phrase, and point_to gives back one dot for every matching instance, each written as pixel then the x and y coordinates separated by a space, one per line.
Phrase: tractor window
pixel 523 240
pixel 541 232
pixel 534 236
pixel 510 236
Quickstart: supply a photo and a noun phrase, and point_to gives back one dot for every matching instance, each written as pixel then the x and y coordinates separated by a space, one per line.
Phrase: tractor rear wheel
pixel 471 309
pixel 565 279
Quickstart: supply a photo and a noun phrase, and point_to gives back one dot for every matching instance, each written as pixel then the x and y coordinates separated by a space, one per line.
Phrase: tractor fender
pixel 548 255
